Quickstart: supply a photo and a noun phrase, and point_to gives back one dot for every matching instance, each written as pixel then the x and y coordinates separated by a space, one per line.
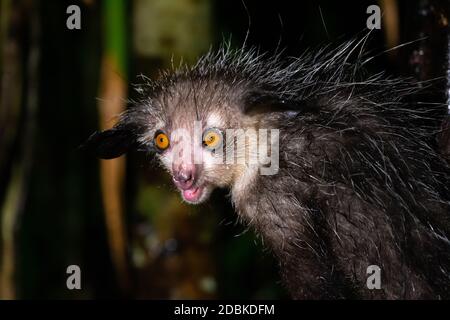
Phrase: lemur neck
pixel 243 184
pixel 266 209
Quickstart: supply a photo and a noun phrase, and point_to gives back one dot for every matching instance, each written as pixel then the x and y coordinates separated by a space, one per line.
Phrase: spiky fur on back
pixel 359 182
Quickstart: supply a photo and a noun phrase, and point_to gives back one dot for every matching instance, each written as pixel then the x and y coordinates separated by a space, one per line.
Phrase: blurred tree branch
pixel 19 101
pixel 113 93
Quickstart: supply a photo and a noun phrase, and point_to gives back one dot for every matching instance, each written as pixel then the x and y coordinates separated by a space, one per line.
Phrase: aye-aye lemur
pixel 356 181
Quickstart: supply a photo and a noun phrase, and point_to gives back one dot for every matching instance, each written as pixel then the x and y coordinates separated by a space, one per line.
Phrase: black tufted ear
pixel 258 102
pixel 111 143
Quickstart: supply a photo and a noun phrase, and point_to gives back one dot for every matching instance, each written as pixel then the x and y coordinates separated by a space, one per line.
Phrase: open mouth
pixel 193 194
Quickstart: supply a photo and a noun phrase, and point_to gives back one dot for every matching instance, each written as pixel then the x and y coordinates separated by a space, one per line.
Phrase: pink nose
pixel 184 176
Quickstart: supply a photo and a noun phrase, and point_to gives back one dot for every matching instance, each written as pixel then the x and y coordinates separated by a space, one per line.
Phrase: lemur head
pixel 200 132
pixel 208 125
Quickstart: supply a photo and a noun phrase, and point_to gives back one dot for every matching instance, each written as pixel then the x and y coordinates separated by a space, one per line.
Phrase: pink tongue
pixel 190 194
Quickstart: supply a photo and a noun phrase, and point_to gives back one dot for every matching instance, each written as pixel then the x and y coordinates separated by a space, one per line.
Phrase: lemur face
pixel 192 132
pixel 193 151
pixel 201 131
pixel 205 139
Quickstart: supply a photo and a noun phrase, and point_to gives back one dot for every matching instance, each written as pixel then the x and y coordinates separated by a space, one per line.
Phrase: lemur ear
pixel 111 143
pixel 262 102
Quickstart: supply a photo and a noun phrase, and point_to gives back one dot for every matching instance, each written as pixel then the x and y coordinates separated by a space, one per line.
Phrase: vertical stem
pixel 17 187
pixel 391 23
pixel 9 212
pixel 113 93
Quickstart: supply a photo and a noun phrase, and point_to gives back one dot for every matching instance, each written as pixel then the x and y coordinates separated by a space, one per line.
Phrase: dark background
pixel 184 251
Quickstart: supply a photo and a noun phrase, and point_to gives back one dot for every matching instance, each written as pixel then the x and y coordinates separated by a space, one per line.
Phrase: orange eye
pixel 212 138
pixel 161 141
